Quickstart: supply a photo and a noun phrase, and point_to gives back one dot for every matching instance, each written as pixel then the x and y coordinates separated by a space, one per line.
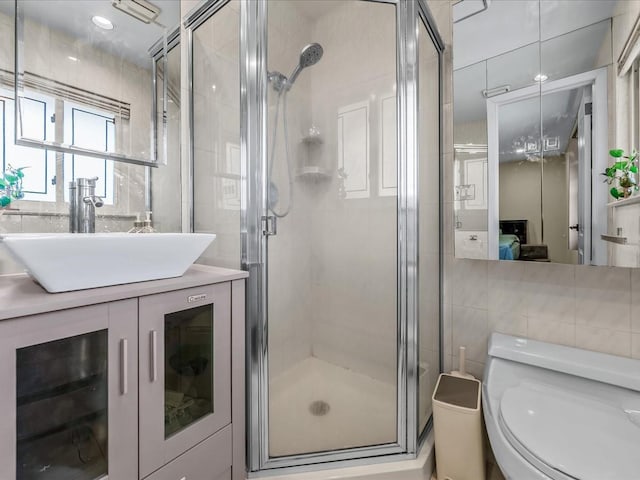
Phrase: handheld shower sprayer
pixel 310 55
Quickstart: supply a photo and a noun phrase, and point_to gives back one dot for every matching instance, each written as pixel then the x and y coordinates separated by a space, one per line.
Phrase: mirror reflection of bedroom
pixel 538 181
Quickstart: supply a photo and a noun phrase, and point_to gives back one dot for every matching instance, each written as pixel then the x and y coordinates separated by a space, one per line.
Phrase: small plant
pixel 624 172
pixel 11 186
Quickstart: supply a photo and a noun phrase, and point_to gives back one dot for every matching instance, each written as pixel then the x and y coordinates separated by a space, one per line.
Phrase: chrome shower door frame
pixel 254 82
pixel 424 16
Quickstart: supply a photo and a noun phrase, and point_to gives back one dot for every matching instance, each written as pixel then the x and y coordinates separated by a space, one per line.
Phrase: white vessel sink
pixel 62 262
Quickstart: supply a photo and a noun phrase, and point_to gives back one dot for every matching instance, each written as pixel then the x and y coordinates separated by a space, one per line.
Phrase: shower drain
pixel 319 408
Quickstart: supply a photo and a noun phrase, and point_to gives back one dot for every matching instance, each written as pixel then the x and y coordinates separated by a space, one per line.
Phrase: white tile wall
pixel 635 345
pixel 471 329
pixel 471 283
pixel 549 291
pixel 507 322
pixel 603 340
pixel 603 297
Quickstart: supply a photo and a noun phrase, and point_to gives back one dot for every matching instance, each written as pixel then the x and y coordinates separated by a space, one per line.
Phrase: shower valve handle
pixel 269 225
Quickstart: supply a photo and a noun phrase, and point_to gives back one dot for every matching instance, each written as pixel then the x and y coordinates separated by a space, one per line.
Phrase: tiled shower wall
pixel 596 308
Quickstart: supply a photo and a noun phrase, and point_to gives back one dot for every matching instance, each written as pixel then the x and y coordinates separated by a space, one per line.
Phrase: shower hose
pixel 282 95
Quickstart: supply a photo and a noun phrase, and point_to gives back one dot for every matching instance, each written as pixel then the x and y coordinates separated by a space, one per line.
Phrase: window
pixel 94 129
pixel 38 117
pixel 84 127
pixel 353 149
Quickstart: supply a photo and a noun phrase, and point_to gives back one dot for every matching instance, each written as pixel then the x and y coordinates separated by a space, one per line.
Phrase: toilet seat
pixel 592 440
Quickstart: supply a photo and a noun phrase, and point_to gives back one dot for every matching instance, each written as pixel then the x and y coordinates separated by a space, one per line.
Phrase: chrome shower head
pixel 310 55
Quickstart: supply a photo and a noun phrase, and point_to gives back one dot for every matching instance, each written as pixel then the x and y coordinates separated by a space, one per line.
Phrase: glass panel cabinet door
pixel 62 408
pixel 72 390
pixel 188 367
pixel 185 390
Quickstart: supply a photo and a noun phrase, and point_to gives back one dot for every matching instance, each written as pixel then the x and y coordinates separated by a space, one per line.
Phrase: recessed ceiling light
pixel 541 77
pixel 73 59
pixel 102 22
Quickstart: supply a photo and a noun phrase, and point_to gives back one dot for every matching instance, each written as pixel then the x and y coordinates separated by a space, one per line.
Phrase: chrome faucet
pixel 83 202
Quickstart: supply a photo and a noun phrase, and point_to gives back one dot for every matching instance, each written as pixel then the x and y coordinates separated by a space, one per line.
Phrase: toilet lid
pixel 567 435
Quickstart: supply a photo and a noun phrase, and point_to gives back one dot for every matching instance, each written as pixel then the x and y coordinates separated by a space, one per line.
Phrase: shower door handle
pixel 269 225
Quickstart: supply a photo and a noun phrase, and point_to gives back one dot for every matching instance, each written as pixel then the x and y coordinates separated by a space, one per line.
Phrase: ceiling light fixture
pixel 541 77
pixel 73 59
pixel 102 22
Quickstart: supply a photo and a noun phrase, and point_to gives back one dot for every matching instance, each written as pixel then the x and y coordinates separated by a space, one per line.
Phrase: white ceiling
pixel 130 37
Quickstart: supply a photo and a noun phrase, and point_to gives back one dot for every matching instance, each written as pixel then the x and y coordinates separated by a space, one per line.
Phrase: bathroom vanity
pixel 136 381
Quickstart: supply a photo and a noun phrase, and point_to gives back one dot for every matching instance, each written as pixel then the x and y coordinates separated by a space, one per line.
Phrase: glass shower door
pixel 331 208
pixel 429 254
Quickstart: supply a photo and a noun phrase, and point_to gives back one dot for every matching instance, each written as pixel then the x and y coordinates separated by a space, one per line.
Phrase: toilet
pixel 561 413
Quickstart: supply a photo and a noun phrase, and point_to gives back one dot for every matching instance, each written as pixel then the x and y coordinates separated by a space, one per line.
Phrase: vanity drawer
pixel 209 460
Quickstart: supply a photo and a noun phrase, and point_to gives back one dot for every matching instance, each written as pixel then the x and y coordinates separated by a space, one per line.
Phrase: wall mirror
pixel 90 78
pixel 100 96
pixel 534 119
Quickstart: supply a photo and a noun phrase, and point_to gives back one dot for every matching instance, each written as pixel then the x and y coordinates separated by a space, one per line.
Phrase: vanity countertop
pixel 21 296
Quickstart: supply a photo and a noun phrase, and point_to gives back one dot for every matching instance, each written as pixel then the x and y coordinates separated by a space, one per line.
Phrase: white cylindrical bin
pixel 457 425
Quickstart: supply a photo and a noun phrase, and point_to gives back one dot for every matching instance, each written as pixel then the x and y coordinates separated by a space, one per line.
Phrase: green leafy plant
pixel 11 186
pixel 624 172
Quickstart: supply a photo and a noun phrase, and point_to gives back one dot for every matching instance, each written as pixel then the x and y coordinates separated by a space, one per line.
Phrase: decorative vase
pixel 626 184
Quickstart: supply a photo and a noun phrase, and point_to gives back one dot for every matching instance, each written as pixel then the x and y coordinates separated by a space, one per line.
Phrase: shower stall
pixel 316 158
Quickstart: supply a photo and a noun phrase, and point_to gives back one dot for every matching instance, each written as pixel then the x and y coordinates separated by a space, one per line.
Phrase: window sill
pixel 17 212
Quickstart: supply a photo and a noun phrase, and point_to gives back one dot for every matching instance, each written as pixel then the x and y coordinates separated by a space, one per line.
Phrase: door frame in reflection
pixel 596 213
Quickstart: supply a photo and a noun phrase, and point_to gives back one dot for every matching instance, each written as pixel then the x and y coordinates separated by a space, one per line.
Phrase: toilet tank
pixel 600 367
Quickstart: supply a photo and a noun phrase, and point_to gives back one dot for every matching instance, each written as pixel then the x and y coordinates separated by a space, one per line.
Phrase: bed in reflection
pixel 509 247
pixel 513 234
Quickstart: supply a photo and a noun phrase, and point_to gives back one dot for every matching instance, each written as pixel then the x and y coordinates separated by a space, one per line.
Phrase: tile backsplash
pixel 595 308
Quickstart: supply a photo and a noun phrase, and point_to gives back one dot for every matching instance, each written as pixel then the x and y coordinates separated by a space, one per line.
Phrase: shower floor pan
pixel 317 406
